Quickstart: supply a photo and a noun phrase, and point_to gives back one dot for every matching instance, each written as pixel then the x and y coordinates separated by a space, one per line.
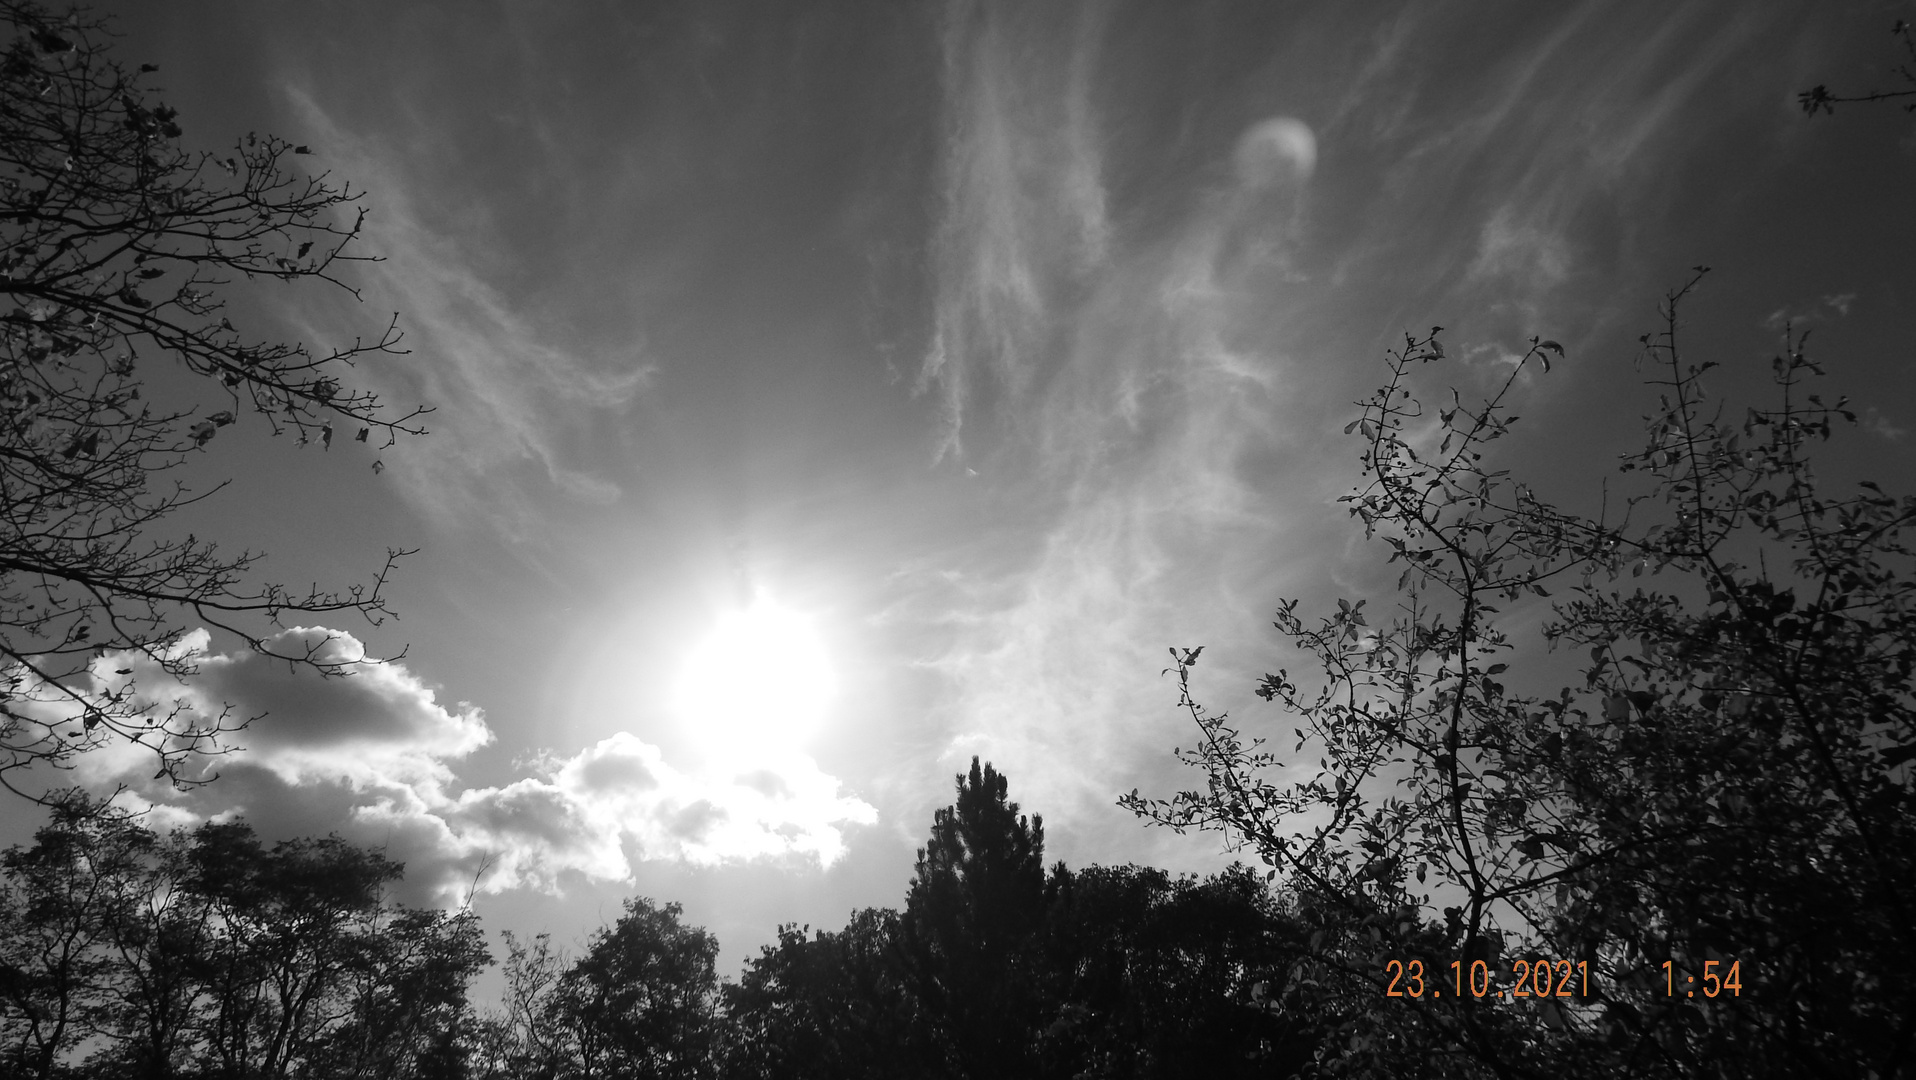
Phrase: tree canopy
pixel 1725 795
pixel 208 953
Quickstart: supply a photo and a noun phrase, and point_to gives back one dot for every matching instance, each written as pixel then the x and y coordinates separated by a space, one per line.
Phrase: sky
pixel 829 392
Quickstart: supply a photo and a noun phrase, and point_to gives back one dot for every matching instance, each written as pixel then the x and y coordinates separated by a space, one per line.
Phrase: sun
pixel 761 681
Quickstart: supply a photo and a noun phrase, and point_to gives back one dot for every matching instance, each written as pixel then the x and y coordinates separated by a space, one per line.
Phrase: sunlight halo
pixel 759 682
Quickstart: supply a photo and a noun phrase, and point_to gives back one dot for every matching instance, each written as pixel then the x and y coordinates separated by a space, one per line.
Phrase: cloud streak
pixel 1167 409
pixel 1024 221
pixel 505 396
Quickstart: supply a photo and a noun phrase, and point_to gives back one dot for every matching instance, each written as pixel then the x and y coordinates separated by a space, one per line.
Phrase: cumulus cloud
pixel 372 755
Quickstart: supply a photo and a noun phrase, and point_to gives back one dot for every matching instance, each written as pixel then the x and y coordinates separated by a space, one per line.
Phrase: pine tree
pixel 975 907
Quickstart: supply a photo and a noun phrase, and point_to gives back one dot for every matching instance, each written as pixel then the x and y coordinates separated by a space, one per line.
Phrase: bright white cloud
pixel 372 755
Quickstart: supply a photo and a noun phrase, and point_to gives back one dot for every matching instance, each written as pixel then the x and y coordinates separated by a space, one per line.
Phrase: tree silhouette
pixel 1167 978
pixel 116 247
pixel 998 970
pixel 210 954
pixel 831 1007
pixel 642 1001
pixel 975 905
pixel 1726 797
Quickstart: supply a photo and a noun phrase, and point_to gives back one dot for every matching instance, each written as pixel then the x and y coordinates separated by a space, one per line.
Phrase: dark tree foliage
pixel 1727 788
pixel 1156 977
pixel 116 248
pixel 973 911
pixel 995 970
pixel 832 1007
pixel 209 954
pixel 641 1001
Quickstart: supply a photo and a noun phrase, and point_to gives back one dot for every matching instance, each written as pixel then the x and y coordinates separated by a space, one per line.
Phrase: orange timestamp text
pixel 1540 978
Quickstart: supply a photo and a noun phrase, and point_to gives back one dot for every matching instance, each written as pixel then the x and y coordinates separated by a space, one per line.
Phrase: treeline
pixel 208 953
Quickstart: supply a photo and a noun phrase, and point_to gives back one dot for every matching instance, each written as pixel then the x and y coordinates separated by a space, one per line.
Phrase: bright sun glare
pixel 760 681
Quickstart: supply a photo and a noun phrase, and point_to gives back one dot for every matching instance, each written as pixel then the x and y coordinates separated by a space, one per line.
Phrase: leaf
pixel 303 249
pixel 363 432
pixel 302 150
pixel 1896 755
pixel 378 467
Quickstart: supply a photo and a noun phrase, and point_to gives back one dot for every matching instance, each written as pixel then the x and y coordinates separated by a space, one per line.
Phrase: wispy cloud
pixel 506 396
pixel 1149 405
pixel 1024 218
pixel 1125 389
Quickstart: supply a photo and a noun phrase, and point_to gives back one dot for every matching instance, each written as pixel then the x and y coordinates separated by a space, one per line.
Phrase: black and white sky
pixel 829 392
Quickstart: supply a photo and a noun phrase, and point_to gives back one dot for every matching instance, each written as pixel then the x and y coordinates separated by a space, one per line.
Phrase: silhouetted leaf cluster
pixel 1728 780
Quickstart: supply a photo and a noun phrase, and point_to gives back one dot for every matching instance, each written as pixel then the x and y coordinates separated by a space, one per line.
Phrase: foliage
pixel 995 969
pixel 1818 98
pixel 832 1007
pixel 116 246
pixel 641 1001
pixel 209 954
pixel 1156 977
pixel 1729 780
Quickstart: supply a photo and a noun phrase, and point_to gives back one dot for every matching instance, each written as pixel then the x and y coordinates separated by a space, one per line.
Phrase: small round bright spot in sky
pixel 760 681
pixel 1274 147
